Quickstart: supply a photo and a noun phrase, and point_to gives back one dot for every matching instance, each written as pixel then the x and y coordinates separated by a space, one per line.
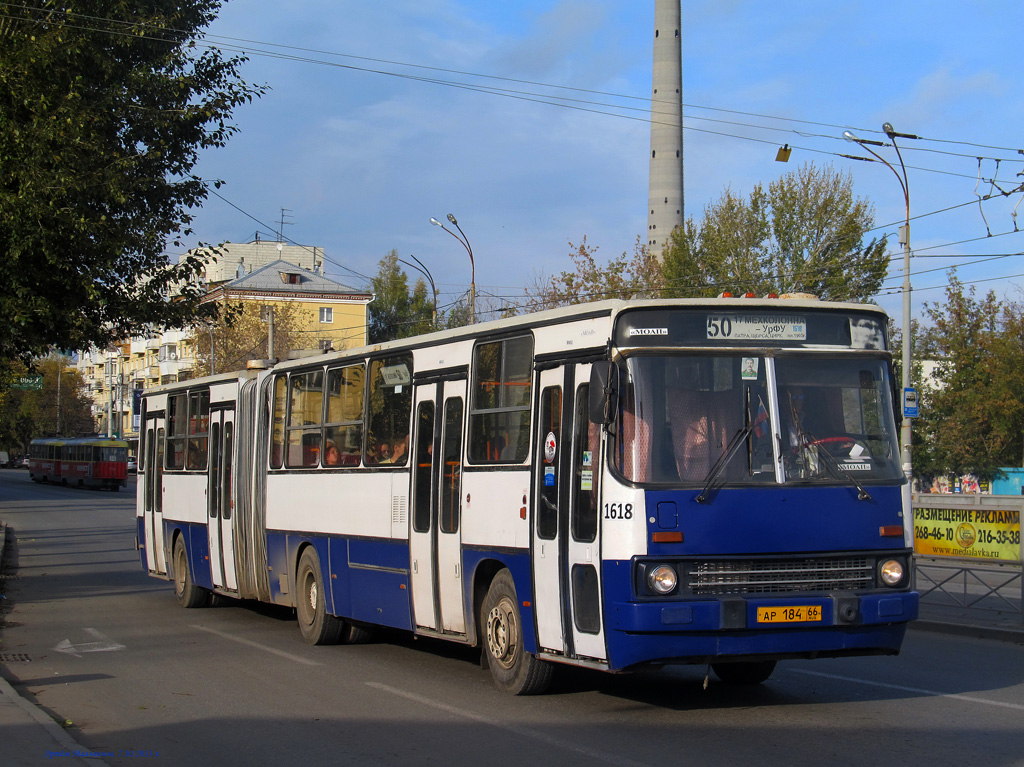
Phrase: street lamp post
pixel 422 268
pixel 465 243
pixel 904 238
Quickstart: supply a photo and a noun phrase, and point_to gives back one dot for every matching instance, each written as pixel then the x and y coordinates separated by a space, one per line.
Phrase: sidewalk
pixel 28 736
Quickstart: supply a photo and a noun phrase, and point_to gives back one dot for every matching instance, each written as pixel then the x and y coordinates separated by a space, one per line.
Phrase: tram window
pixel 304 414
pixel 500 415
pixel 343 423
pixel 390 411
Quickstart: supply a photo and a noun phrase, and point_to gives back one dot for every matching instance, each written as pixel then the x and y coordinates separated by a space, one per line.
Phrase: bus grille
pixel 774 576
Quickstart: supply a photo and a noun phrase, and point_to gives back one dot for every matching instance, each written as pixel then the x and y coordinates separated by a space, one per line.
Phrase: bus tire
pixel 513 669
pixel 745 672
pixel 354 634
pixel 186 592
pixel 317 627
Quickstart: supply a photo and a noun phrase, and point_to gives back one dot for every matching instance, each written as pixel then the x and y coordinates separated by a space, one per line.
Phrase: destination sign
pixel 756 327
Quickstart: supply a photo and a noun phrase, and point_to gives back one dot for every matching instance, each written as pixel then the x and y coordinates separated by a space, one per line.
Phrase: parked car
pixel 22 462
pixel 133 465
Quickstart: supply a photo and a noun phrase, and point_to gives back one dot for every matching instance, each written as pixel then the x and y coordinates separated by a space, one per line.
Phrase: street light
pixel 904 238
pixel 422 269
pixel 465 243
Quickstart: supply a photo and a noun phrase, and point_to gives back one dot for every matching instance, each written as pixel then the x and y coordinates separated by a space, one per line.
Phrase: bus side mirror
pixel 604 392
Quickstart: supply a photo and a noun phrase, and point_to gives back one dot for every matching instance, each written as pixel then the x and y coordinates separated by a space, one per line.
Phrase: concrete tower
pixel 665 196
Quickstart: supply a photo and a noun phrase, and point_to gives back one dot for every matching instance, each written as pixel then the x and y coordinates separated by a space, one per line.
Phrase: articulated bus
pixel 82 461
pixel 610 485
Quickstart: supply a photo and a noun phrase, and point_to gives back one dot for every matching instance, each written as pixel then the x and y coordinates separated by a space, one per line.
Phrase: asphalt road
pixel 100 645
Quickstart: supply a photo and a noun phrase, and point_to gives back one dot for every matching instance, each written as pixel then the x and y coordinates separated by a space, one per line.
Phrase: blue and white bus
pixel 610 485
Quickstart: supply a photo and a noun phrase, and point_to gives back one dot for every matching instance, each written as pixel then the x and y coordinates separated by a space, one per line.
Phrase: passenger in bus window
pixel 398 451
pixel 331 456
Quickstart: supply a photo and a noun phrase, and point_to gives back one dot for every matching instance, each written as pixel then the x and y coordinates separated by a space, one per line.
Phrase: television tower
pixel 665 195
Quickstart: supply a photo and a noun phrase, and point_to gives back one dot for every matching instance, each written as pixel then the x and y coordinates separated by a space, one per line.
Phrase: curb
pixel 67 745
pixel 975 631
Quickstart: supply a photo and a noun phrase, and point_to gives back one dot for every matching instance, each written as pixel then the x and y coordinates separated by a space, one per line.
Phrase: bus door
pixel 566 555
pixel 153 498
pixel 220 499
pixel 436 519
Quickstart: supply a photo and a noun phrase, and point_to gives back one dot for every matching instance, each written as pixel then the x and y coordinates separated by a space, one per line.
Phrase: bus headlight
pixel 662 579
pixel 891 572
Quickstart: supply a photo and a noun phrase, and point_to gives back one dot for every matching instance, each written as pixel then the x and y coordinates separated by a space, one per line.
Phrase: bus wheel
pixel 316 625
pixel 514 670
pixel 186 592
pixel 353 634
pixel 747 672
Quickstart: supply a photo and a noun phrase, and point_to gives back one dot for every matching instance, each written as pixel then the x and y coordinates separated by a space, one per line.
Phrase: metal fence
pixel 964 587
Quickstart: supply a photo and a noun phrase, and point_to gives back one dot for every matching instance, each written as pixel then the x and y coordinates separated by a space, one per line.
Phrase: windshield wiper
pixel 838 471
pixel 723 460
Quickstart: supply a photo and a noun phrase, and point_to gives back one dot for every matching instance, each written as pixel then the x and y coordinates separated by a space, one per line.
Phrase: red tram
pixel 83 462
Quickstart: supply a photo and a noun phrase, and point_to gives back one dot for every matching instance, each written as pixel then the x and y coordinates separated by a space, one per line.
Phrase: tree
pixel 806 233
pixel 105 107
pixel 60 407
pixel 972 413
pixel 241 333
pixel 394 313
pixel 636 276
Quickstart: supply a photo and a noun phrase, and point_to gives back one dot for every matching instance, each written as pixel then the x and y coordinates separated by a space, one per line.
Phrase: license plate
pixel 793 614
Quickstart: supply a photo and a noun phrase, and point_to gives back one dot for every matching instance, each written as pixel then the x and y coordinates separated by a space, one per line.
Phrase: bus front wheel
pixel 514 670
pixel 186 592
pixel 316 625
pixel 746 672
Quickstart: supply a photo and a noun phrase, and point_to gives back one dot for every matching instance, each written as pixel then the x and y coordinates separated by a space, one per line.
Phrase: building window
pixel 326 314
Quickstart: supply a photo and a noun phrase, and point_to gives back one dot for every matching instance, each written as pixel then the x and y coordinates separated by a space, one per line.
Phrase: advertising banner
pixel 976 533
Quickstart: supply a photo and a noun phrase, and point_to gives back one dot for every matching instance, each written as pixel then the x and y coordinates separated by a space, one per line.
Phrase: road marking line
pixel 102 644
pixel 935 693
pixel 258 646
pixel 515 730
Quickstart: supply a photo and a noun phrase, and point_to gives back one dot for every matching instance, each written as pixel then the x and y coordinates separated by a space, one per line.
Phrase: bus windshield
pixel 745 419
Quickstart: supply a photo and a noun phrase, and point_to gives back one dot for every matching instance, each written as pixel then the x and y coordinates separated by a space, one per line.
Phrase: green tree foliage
pixel 394 312
pixel 805 233
pixel 972 411
pixel 242 333
pixel 62 409
pixel 627 276
pixel 105 107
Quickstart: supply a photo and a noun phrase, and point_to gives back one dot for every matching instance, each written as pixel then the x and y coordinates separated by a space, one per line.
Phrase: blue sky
pixel 363 151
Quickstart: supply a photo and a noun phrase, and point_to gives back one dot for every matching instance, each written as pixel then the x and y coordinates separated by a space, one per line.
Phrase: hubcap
pixel 501 633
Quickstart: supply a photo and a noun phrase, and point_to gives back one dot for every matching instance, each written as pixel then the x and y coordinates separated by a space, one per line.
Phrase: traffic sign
pixel 28 383
pixel 910 402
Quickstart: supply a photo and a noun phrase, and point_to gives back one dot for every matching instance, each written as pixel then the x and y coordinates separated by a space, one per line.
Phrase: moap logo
pixel 648 331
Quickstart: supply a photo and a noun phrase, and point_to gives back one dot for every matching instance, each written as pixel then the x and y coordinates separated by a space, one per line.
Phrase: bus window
pixel 451 465
pixel 198 429
pixel 499 420
pixel 177 430
pixel 343 424
pixel 277 427
pixel 306 410
pixel 390 406
pixel 424 466
pixel 550 423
